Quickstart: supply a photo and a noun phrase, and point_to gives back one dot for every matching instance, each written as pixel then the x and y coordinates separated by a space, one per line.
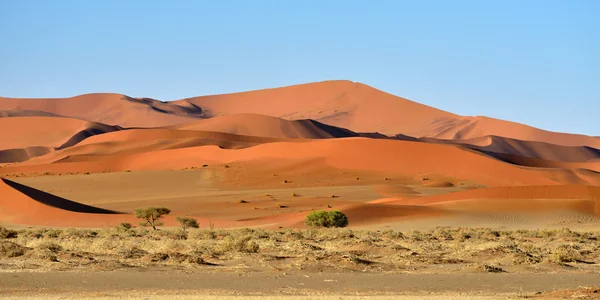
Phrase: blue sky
pixel 535 62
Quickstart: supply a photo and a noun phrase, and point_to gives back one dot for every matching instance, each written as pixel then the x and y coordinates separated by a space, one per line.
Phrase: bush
pixel 151 215
pixel 124 227
pixel 7 233
pixel 10 249
pixel 323 218
pixel 187 222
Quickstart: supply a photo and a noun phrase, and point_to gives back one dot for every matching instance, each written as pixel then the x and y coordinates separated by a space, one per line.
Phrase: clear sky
pixel 531 61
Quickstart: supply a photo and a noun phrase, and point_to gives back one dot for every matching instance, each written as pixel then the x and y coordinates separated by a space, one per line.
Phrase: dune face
pixel 265 126
pixel 111 109
pixel 27 137
pixel 378 158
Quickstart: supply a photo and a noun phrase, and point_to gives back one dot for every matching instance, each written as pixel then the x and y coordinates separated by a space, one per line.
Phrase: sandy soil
pixel 156 284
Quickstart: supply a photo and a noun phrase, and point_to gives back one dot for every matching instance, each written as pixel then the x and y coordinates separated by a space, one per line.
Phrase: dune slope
pixel 26 137
pixel 267 126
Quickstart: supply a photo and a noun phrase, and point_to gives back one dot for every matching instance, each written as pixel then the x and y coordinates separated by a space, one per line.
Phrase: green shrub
pixel 151 215
pixel 323 218
pixel 187 222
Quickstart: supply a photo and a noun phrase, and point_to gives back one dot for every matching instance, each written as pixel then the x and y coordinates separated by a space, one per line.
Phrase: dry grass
pixel 470 249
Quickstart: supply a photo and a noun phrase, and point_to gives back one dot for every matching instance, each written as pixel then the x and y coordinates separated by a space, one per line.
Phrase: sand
pixel 90 160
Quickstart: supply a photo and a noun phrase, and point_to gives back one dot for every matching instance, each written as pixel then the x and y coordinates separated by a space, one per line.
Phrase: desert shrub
pixel 322 218
pixel 8 233
pixel 79 233
pixel 10 249
pixel 151 215
pixel 186 222
pixel 564 254
pixel 53 233
pixel 243 244
pixel 50 247
pixel 124 227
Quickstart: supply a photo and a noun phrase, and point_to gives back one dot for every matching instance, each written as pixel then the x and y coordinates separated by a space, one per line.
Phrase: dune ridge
pixel 385 156
pixel 340 103
pixel 267 126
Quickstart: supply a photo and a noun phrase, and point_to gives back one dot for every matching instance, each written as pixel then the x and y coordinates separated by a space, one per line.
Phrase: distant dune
pixel 26 137
pixel 350 105
pixel 111 109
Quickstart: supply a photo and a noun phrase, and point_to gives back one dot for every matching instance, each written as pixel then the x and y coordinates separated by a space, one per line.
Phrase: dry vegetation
pixel 439 250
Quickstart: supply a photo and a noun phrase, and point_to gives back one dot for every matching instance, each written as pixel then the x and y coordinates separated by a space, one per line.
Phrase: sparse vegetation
pixel 151 215
pixel 332 249
pixel 323 218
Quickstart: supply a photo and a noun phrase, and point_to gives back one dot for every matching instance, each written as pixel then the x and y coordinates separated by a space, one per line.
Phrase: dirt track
pixel 185 285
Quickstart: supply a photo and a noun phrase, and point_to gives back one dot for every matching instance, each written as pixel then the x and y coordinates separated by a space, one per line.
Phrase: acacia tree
pixel 187 222
pixel 151 215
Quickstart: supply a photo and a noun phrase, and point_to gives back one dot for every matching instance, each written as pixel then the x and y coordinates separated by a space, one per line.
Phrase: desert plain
pixel 438 205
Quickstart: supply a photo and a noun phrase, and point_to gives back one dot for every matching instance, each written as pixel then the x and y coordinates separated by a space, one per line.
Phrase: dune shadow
pixel 55 201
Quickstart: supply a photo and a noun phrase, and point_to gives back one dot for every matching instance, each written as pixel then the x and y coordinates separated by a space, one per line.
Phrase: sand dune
pixel 384 157
pixel 477 127
pixel 345 104
pixel 23 154
pixel 26 137
pixel 20 204
pixel 112 109
pixel 134 141
pixel 530 149
pixel 266 126
pixel 351 105
pixel 338 130
pixel 585 199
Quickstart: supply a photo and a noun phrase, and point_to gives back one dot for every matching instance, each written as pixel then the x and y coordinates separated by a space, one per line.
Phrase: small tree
pixel 187 222
pixel 151 215
pixel 323 218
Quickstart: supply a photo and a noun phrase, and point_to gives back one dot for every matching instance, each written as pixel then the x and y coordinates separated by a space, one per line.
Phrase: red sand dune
pixel 345 104
pixel 132 141
pixel 21 204
pixel 531 198
pixel 529 149
pixel 16 207
pixel 112 109
pixel 384 156
pixel 26 137
pixel 266 126
pixel 475 127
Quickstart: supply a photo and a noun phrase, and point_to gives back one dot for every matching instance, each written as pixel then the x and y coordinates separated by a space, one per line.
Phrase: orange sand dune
pixel 267 126
pixel 25 113
pixel 23 205
pixel 373 155
pixel 25 137
pixel 132 141
pixel 533 198
pixel 477 127
pixel 361 108
pixel 112 109
pixel 528 149
pixel 542 163
pixel 344 104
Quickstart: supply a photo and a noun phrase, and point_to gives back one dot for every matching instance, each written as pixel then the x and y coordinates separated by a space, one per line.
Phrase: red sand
pixel 294 126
